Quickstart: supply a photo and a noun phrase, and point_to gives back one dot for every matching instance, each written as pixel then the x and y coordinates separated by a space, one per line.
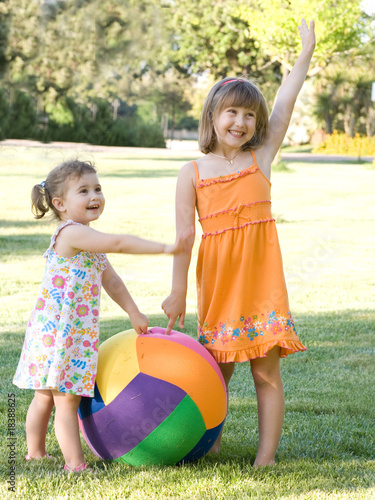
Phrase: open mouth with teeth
pixel 237 134
pixel 93 207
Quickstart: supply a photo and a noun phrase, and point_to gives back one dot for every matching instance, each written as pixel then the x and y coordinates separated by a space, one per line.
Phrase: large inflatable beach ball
pixel 159 399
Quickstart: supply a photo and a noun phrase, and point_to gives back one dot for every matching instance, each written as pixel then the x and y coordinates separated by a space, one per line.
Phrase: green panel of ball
pixel 174 438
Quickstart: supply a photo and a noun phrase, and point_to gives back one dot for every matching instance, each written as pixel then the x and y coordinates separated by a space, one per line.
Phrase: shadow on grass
pixel 18 223
pixel 27 244
pixel 142 173
pixel 149 158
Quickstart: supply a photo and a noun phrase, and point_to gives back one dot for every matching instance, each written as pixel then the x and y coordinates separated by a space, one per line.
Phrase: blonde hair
pixel 234 92
pixel 54 186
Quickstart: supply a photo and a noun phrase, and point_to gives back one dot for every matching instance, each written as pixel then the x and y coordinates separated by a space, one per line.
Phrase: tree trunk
pixel 329 123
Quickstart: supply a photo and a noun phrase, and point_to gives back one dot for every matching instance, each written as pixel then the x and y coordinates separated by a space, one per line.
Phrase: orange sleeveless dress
pixel 243 308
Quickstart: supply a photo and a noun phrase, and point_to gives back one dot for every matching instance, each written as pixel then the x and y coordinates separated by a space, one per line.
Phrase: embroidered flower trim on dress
pixel 258 325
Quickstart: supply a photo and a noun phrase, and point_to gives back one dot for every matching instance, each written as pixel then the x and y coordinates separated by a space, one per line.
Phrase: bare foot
pixel 215 449
pixel 263 463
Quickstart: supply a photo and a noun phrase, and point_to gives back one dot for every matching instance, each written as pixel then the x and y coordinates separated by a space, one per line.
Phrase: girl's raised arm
pixel 287 94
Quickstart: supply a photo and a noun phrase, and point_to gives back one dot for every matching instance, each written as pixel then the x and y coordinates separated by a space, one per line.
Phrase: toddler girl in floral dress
pixel 60 351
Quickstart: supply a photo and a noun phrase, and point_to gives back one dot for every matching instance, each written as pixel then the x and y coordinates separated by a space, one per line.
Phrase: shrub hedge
pixel 68 121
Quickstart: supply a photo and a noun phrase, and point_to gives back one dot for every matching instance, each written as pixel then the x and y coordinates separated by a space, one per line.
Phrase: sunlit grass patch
pixel 327 238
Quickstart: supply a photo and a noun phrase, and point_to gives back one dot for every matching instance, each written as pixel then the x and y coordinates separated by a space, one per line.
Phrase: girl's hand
pixel 307 35
pixel 183 243
pixel 174 307
pixel 139 322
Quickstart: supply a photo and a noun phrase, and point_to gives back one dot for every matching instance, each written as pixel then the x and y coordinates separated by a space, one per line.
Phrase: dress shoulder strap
pixel 196 170
pixel 56 233
pixel 253 155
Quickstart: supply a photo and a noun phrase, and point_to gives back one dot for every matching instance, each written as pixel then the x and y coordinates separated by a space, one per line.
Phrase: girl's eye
pixel 98 190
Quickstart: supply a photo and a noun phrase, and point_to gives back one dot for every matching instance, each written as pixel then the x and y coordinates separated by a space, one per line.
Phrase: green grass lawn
pixel 326 220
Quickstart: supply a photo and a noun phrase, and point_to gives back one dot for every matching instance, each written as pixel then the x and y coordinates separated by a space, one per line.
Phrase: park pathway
pixel 177 147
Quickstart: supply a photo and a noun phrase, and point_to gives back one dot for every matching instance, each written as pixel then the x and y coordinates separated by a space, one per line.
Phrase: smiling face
pixel 233 96
pixel 82 201
pixel 234 126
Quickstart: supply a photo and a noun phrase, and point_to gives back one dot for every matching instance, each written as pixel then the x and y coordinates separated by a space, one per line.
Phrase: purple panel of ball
pixel 172 439
pixel 203 446
pixel 89 406
pixel 131 416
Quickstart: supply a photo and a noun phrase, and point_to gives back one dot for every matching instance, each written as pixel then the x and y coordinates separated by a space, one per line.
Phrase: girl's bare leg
pixel 67 429
pixel 227 370
pixel 37 422
pixel 270 396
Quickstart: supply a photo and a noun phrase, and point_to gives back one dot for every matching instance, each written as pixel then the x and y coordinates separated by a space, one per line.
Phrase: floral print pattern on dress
pixel 62 337
pixel 273 322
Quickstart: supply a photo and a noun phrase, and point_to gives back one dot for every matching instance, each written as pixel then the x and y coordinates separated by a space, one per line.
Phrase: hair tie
pixel 43 184
pixel 233 80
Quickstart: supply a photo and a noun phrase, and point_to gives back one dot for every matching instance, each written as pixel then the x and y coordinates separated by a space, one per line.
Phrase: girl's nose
pixel 240 120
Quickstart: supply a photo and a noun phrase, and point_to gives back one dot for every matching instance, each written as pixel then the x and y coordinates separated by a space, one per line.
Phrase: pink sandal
pixel 28 458
pixel 80 468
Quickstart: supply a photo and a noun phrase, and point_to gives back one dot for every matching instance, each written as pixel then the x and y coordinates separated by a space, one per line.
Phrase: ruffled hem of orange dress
pixel 261 351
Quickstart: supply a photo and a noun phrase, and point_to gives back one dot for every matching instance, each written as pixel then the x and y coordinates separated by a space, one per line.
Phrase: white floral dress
pixel 61 343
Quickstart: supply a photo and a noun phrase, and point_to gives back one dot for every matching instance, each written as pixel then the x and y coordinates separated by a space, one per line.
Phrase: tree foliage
pixel 81 47
pixel 148 52
pixel 212 36
pixel 86 50
pixel 339 28
pixel 260 38
pixel 343 96
pixel 228 36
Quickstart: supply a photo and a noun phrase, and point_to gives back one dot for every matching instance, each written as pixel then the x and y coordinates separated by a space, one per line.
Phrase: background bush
pixel 69 121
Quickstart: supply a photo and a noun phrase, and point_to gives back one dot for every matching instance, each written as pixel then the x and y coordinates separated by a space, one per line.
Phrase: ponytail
pixel 41 201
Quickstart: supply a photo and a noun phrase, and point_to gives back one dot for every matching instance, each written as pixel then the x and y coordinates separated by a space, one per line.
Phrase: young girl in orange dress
pixel 243 309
